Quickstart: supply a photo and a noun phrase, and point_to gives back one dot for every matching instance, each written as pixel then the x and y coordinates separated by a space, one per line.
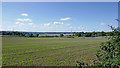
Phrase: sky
pixel 60 0
pixel 59 16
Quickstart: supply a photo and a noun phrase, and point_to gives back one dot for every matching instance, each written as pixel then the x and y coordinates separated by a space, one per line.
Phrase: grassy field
pixel 23 51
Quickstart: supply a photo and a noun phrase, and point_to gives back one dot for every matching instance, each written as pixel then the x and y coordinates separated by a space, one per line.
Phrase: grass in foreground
pixel 21 51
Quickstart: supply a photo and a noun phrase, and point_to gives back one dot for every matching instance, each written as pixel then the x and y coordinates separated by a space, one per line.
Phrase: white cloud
pixel 30 23
pixel 48 24
pixel 58 23
pixel 25 19
pixel 102 24
pixel 17 22
pixel 24 14
pixel 19 19
pixel 63 19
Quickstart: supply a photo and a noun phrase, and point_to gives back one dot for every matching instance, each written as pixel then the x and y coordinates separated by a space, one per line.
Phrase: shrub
pixel 61 35
pixel 109 52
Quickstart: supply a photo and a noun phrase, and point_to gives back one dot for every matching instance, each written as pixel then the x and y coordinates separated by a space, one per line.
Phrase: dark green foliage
pixel 37 35
pixel 102 33
pixel 61 35
pixel 88 34
pixel 75 34
pixel 81 64
pixel 93 34
pixel 31 35
pixel 109 52
pixel 109 33
pixel 0 32
pixel 78 34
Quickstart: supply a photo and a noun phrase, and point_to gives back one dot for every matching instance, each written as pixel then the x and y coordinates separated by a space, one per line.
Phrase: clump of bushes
pixel 109 52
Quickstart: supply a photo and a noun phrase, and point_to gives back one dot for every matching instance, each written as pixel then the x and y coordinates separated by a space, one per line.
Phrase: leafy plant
pixel 109 52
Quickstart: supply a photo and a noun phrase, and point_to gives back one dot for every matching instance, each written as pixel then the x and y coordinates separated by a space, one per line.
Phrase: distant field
pixel 23 51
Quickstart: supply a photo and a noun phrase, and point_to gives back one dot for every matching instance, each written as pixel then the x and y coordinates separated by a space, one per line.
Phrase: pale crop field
pixel 22 51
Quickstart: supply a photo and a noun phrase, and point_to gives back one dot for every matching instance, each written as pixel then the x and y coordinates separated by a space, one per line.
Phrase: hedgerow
pixel 109 52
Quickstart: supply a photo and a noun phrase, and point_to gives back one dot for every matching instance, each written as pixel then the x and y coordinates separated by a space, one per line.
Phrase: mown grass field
pixel 21 51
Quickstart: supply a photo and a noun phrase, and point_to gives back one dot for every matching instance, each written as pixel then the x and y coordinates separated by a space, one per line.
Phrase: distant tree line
pixel 73 34
pixel 25 34
pixel 93 34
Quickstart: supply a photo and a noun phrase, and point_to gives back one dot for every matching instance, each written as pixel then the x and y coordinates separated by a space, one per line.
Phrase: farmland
pixel 28 51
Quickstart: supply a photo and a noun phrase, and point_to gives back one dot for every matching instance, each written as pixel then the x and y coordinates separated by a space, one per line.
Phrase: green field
pixel 21 51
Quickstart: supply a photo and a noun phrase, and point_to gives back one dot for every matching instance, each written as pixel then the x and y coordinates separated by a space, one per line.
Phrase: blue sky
pixel 59 16
pixel 60 0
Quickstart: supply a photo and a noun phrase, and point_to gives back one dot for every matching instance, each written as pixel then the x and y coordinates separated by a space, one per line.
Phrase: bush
pixel 61 35
pixel 109 52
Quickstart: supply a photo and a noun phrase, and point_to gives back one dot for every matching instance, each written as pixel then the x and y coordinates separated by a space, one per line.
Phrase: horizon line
pixel 57 31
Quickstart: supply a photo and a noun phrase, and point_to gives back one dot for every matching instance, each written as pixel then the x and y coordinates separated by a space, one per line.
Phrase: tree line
pixel 73 34
pixel 93 34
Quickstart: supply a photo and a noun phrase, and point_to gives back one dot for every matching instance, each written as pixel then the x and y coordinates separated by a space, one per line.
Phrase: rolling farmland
pixel 23 51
